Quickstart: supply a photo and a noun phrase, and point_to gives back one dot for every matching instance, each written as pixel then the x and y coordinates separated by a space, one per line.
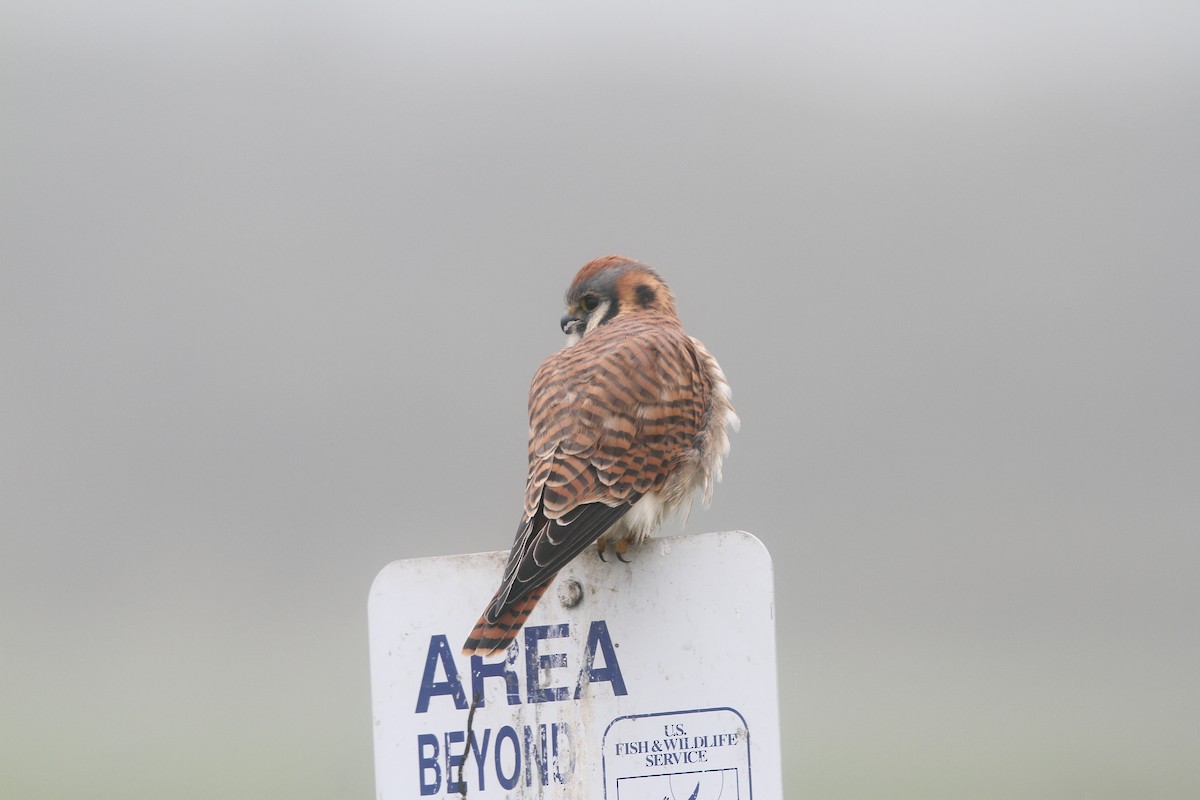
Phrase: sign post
pixel 653 680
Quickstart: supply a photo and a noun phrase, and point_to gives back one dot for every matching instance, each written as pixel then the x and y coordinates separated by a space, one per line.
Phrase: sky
pixel 274 279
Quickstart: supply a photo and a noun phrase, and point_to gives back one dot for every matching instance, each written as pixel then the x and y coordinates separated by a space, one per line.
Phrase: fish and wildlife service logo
pixel 702 754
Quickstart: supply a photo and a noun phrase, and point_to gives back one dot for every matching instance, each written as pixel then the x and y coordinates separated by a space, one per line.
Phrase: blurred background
pixel 275 277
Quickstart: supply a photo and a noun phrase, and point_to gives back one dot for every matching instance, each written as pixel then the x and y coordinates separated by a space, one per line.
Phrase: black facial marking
pixel 645 295
pixel 613 308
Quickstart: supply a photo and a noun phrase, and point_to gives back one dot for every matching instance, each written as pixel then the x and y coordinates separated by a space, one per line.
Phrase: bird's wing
pixel 610 418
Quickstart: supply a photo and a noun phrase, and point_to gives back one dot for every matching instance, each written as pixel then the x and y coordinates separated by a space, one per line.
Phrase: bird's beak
pixel 570 325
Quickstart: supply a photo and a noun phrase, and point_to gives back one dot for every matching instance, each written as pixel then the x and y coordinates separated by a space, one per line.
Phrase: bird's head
pixel 610 287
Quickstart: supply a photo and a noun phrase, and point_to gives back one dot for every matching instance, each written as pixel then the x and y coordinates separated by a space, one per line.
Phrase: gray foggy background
pixel 276 276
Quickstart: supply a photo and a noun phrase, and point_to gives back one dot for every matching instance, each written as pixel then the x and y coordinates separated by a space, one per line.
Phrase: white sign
pixel 653 680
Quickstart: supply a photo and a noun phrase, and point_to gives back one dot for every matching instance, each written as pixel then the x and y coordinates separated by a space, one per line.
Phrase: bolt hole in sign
pixel 653 680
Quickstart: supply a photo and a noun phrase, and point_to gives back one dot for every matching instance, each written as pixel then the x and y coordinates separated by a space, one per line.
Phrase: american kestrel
pixel 625 422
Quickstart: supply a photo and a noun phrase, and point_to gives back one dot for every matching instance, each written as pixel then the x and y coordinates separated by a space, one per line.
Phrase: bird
pixel 627 422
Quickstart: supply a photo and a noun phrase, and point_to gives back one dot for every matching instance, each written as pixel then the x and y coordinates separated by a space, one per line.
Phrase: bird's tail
pixel 494 631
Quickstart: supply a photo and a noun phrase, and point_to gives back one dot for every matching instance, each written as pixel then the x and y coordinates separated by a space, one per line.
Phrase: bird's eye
pixel 590 302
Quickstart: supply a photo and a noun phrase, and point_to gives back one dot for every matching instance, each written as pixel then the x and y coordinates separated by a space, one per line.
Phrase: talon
pixel 600 549
pixel 619 548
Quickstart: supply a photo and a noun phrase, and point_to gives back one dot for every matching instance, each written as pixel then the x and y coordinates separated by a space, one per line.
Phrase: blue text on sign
pixel 442 677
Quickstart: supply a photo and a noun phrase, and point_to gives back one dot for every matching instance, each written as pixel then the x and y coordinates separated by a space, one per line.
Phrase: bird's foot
pixel 620 548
